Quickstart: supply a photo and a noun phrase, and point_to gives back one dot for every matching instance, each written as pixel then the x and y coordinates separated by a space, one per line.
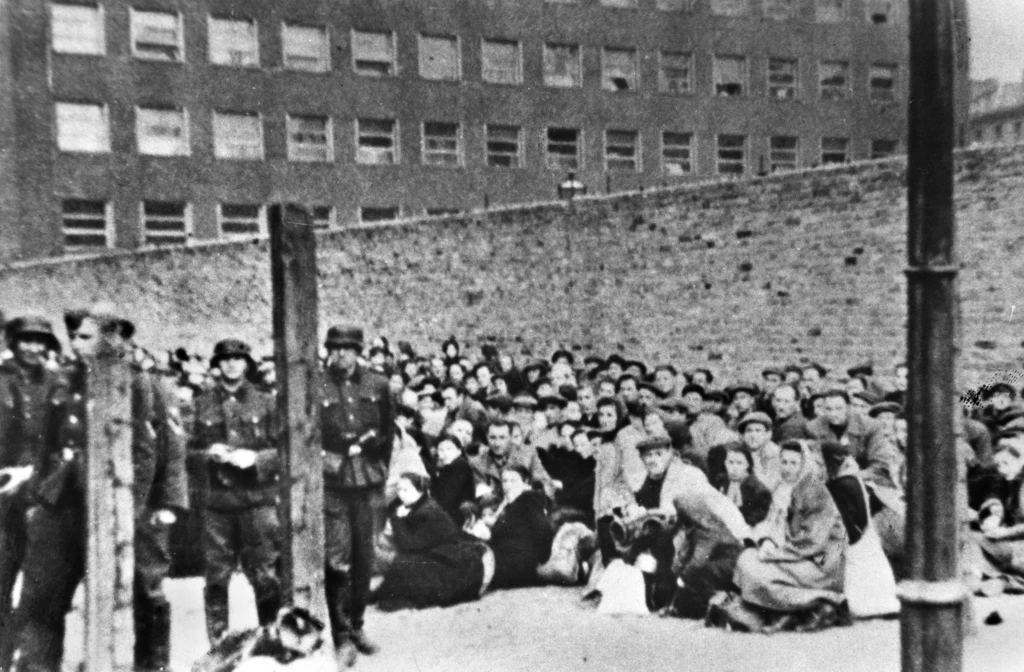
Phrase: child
pixel 452 484
pixel 740 484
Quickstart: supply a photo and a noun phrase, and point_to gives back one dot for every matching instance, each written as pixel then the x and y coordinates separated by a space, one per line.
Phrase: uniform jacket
pixel 356 409
pixel 25 396
pixel 874 451
pixel 246 418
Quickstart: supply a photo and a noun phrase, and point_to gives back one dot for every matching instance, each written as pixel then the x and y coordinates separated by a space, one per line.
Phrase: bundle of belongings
pixel 293 643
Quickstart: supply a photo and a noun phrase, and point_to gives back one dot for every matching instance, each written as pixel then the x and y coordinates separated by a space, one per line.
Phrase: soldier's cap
pixel 773 371
pixel 524 401
pixel 563 354
pixel 653 389
pixel 501 402
pixel 755 417
pixel 693 387
pixel 864 369
pixel 549 400
pixel 231 347
pixel 999 388
pixel 32 325
pixel 886 407
pixel 653 443
pixel 744 386
pixel 344 336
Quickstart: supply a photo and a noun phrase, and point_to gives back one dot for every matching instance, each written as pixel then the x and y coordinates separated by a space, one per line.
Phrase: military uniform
pixel 357 422
pixel 241 521
pixel 55 557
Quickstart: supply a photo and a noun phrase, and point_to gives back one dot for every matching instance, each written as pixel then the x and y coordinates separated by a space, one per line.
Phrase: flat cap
pixel 755 417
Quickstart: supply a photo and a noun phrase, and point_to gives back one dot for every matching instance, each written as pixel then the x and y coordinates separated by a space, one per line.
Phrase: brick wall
pixel 733 275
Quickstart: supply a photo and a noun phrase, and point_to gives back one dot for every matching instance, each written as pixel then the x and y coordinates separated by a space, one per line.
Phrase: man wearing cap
pixel 771 378
pixel 1002 407
pixel 55 556
pixel 742 398
pixel 27 385
pixel 460 406
pixel 869 445
pixel 756 430
pixel 502 452
pixel 357 426
pixel 236 435
pixel 706 430
pixel 789 422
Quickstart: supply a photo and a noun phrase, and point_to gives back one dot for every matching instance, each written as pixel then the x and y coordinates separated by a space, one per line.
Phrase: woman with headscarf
pixel 619 472
pixel 796 571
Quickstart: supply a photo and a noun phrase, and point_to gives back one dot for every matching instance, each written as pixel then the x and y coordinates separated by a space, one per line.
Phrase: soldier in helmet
pixel 236 430
pixel 26 386
pixel 55 556
pixel 357 424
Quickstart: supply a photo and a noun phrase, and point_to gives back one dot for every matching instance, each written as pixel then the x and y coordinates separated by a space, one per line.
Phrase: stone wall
pixel 731 275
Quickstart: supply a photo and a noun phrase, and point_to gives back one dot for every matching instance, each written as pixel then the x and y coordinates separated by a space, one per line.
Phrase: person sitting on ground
pixel 406 454
pixel 573 466
pixel 795 575
pixel 618 471
pixel 435 564
pixel 742 486
pixel 520 535
pixel 1002 518
pixel 452 484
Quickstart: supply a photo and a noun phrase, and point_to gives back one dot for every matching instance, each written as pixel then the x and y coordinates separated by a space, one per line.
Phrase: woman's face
pixel 451 351
pixel 447 452
pixel 607 418
pixel 736 466
pixel 500 386
pixel 606 389
pixel 512 484
pixel 407 492
pixel 456 374
pixel 791 463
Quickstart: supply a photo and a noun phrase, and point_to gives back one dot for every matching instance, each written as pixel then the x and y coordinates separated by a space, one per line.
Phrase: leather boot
pixel 344 651
pixel 215 600
pixel 363 643
pixel 160 639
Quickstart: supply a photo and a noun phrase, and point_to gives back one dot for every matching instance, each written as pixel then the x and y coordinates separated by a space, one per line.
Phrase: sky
pixel 997 39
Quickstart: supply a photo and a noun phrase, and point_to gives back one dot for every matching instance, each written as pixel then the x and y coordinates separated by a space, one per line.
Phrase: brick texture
pixel 732 275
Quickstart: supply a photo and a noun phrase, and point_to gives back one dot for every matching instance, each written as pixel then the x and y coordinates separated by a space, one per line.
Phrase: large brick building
pixel 126 123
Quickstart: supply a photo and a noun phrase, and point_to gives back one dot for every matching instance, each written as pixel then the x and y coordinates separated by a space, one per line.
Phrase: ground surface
pixel 551 629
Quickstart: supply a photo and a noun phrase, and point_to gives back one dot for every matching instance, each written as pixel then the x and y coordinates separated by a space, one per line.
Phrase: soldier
pixel 26 386
pixel 236 432
pixel 55 556
pixel 357 424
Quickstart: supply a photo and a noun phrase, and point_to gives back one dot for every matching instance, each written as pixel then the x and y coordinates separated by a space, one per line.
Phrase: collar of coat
pixel 241 393
pixel 339 377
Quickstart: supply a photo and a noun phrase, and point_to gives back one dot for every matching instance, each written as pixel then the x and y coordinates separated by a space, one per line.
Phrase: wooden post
pixel 110 563
pixel 933 597
pixel 294 276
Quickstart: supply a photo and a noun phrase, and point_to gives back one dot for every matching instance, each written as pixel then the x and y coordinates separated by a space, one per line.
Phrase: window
pixel 882 83
pixel 439 58
pixel 619 3
pixel 834 150
pixel 448 212
pixel 563 148
pixel 503 146
pixel 559 2
pixel 732 151
pixel 377 141
pixel 306 48
pixel 321 216
pixel 674 72
pixel 373 53
pixel 618 69
pixel 82 127
pixel 241 220
pixel 830 11
pixel 729 7
pixel 234 42
pixel 378 213
pixel 165 223
pixel 730 75
pixel 783 152
pixel 310 139
pixel 834 80
pixel 782 80
pixel 157 36
pixel 161 132
pixel 881 149
pixel 77 29
pixel 621 151
pixel 85 223
pixel 501 62
pixel 441 146
pixel 879 11
pixel 562 65
pixel 780 9
pixel 676 153
pixel 674 5
pixel 237 136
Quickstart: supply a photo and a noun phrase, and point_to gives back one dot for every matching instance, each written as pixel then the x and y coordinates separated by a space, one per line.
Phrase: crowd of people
pixel 769 504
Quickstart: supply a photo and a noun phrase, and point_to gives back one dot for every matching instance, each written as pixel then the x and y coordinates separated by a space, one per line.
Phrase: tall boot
pixel 267 605
pixel 215 600
pixel 158 657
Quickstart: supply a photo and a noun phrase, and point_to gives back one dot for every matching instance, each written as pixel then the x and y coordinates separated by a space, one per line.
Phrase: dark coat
pixel 357 409
pixel 849 498
pixel 436 564
pixel 521 540
pixel 576 474
pixel 452 485
pixel 757 498
pixel 793 427
pixel 24 398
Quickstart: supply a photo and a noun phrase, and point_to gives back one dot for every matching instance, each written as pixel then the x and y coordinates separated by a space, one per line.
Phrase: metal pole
pixel 933 596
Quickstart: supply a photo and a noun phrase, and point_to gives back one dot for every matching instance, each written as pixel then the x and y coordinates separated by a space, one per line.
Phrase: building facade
pixel 126 123
pixel 997 112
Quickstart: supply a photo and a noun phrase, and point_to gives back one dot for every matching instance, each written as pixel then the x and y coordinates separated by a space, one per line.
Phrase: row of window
pixel 83 127
pixel 1009 131
pixel 825 11
pixel 156 35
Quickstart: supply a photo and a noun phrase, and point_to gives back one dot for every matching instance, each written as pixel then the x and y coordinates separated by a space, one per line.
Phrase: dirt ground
pixel 552 629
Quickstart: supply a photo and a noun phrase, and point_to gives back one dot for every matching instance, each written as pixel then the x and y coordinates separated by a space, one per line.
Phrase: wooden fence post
pixel 110 560
pixel 296 357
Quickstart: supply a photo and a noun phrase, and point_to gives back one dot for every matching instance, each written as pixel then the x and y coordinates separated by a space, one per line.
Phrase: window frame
pixel 134 29
pixel 769 9
pixel 211 20
pixel 635 60
pixel 742 163
pixel 579 155
pixel 882 95
pixel 873 154
pixel 326 48
pixel 691 147
pixel 715 73
pixel 459 145
pixel 186 219
pixel 108 220
pixel 104 118
pixel 261 221
pixel 609 158
pixel 779 166
pixel 100 40
pixel 518 156
pixel 262 139
pixel 518 78
pixel 846 150
pixel 395 141
pixel 770 87
pixel 578 78
pixel 846 82
pixel 458 56
pixel 662 80
pixel 186 140
pixel 739 8
pixel 393 63
pixel 331 220
pixel 292 149
pixel 831 14
pixel 363 208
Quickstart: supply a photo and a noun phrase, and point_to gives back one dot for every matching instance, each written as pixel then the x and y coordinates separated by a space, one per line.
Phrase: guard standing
pixel 236 432
pixel 55 555
pixel 357 425
pixel 26 386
